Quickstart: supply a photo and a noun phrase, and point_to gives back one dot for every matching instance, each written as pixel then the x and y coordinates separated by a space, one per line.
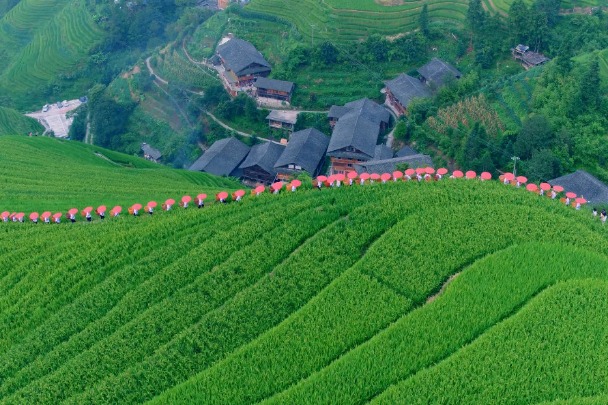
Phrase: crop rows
pixel 395 261
pixel 174 67
pixel 14 123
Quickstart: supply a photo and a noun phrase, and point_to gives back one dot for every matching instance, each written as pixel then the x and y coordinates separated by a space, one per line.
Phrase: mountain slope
pixel 306 297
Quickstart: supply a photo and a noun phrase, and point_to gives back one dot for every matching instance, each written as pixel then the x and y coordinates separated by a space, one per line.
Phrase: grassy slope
pixel 47 174
pixel 12 122
pixel 221 301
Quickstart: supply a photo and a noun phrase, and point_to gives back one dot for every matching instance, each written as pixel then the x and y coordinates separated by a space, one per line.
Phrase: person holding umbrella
pixel 200 200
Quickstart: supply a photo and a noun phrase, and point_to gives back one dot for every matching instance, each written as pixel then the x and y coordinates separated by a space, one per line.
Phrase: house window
pixel 290 166
pixel 298 167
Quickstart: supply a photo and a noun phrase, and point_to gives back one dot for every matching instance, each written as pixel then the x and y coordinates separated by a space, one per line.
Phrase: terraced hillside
pixel 342 20
pixel 41 40
pixel 330 296
pixel 42 173
pixel 12 122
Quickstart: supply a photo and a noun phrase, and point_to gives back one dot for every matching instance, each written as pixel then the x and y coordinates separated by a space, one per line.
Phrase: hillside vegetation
pixel 49 174
pixel 330 296
pixel 14 123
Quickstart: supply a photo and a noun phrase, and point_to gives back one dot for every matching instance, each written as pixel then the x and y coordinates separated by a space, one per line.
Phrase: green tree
pixel 476 16
pixel 519 22
pixel 590 92
pixel 535 134
pixel 542 166
pixel 424 20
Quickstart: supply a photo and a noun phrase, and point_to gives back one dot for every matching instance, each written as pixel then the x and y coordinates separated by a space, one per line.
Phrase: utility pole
pixel 312 30
pixel 515 159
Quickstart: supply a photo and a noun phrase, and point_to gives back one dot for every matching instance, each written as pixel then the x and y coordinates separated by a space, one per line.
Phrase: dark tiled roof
pixel 222 158
pixel 406 88
pixel 356 131
pixel 264 155
pixel 438 72
pixel 272 84
pixel 150 151
pixel 583 184
pixel 533 58
pixel 242 58
pixel 336 111
pixel 289 117
pixel 406 151
pixel 306 149
pixel 383 152
pixel 390 165
pixel 372 110
pixel 358 127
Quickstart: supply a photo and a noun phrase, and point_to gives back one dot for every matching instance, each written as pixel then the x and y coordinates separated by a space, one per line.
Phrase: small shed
pixel 282 119
pixel 438 73
pixel 151 153
pixel 527 58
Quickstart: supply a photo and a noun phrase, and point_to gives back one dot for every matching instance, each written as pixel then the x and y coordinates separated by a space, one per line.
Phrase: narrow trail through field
pixel 223 125
pixel 442 289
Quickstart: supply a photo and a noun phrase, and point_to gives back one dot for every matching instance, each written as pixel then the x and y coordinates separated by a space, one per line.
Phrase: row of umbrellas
pixel 419 174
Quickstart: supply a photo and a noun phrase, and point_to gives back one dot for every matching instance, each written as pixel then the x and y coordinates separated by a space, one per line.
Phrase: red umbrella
pixel 137 206
pixel 222 195
pixel 277 186
pixel 429 170
pixel 420 170
pixel 570 194
pixel 442 171
pixel 170 201
pixel 509 176
pixel 186 199
pixel 331 179
pixel 374 176
pixel 46 214
pixel 545 186
pixel 239 193
pixel 152 204
pixel 558 189
pixel 296 183
pixel 201 196
pixel 458 174
pixel 57 215
pixel 117 209
pixel 385 176
pixel 522 179
pixel 580 200
pixel 340 177
pixel 101 209
pixel 471 174
pixel 486 176
pixel 73 211
pixel 397 174
pixel 352 175
pixel 34 216
pixel 321 179
pixel 364 176
pixel 87 209
pixel 532 187
pixel 259 189
pixel 410 172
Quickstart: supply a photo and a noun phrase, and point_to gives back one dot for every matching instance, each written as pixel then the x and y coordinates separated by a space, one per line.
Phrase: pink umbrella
pixel 170 202
pixel 364 176
pixel 570 194
pixel 222 195
pixel 509 176
pixel 117 209
pixel 321 179
pixel 410 172
pixel 34 216
pixel 239 193
pixel 397 175
pixel 352 175
pixel 259 190
pixel 137 206
pixel 580 200
pixel 186 199
pixel 429 170
pixel 522 179
pixel 20 216
pixel 558 189
pixel 101 209
pixel 545 186
pixel 374 176
pixel 340 177
pixel 486 176
pixel 5 215
pixel 442 171
pixel 296 183
pixel 45 215
pixel 87 210
pixel 532 187
pixel 331 179
pixel 73 211
pixel 277 186
pixel 57 215
pixel 458 174
pixel 152 204
pixel 201 196
pixel 471 174
pixel 420 170
pixel 385 177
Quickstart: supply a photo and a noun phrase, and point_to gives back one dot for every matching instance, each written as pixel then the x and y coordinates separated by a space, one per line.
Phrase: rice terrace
pixel 304 202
